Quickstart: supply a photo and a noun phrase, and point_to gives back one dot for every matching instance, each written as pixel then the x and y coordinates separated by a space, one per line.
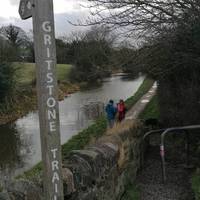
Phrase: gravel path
pixel 177 186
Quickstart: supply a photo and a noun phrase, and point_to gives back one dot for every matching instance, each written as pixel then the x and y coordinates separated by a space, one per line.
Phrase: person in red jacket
pixel 121 109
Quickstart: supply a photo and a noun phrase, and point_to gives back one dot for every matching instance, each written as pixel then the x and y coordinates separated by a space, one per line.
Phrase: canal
pixel 20 141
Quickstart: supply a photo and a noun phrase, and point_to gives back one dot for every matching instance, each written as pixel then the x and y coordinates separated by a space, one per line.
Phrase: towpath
pixel 141 104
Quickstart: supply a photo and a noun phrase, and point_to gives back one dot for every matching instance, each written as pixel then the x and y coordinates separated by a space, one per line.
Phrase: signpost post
pixel 45 55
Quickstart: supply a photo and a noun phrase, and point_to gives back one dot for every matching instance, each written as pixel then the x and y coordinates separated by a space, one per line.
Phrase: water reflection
pixel 10 152
pixel 20 142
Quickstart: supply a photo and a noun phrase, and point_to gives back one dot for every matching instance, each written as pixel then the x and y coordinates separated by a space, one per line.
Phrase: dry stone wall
pixel 98 172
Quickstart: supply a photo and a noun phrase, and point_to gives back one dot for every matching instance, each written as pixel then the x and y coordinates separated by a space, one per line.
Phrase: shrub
pixel 196 184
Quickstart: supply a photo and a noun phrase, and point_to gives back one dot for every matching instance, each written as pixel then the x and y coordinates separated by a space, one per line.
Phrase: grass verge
pixel 196 184
pixel 143 89
pixel 84 137
pixel 151 110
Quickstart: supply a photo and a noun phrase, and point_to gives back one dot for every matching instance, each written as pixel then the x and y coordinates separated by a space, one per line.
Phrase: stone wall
pixel 100 171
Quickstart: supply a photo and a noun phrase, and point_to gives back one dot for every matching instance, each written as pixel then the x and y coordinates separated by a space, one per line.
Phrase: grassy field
pixel 25 73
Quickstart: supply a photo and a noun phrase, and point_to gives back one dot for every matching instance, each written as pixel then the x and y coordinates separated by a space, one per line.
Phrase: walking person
pixel 111 111
pixel 121 109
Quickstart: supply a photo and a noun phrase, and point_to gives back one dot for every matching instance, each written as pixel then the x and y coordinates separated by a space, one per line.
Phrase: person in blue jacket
pixel 111 111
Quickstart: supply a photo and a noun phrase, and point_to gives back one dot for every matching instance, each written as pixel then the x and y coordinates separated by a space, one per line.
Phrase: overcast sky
pixel 64 10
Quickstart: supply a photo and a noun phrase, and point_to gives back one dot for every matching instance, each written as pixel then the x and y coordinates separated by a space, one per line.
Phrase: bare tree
pixel 15 35
pixel 91 51
pixel 17 40
pixel 142 16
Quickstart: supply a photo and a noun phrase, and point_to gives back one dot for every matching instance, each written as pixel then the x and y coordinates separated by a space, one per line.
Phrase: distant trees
pixel 124 56
pixel 29 52
pixel 91 54
pixel 16 39
pixel 5 50
pixel 13 44
pixel 15 35
pixel 7 72
pixel 62 49
pixel 88 51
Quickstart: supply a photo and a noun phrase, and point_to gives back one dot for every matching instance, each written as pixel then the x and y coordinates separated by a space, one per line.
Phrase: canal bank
pixel 92 133
pixel 23 150
pixel 125 133
pixel 24 101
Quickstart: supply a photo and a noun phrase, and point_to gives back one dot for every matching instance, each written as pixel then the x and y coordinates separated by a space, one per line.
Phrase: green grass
pixel 132 193
pixel 143 89
pixel 84 137
pixel 25 72
pixel 196 184
pixel 33 174
pixel 63 71
pixel 151 110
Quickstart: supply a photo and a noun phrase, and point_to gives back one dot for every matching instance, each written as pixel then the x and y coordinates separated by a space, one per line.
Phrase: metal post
pixel 45 56
pixel 187 149
pixel 162 147
pixel 145 142
pixel 162 154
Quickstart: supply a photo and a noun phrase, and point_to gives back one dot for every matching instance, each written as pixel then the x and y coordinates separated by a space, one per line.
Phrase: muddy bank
pixel 25 101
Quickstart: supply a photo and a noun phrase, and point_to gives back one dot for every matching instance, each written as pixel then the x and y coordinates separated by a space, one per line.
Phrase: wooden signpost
pixel 45 55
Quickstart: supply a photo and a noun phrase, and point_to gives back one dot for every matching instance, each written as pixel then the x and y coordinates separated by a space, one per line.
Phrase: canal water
pixel 20 141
